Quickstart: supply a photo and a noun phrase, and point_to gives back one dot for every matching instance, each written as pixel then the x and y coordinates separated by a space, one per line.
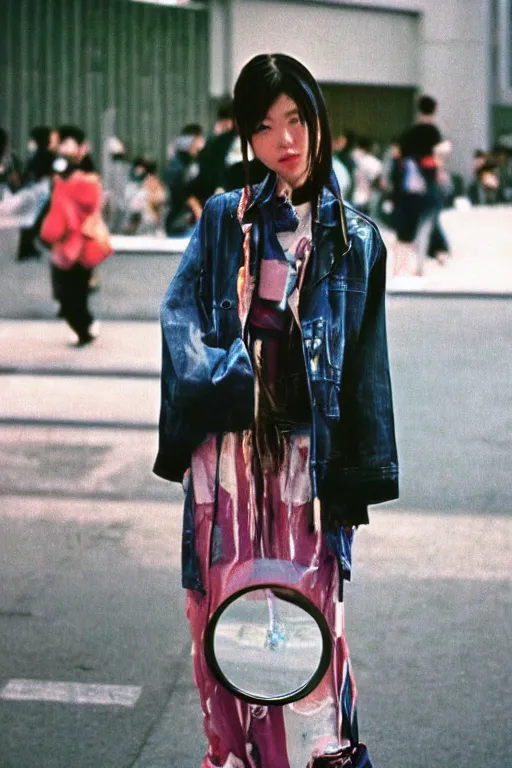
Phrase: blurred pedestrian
pixel 145 199
pixel 419 200
pixel 367 175
pixel 153 216
pixel 485 187
pixel 391 180
pixel 501 155
pixel 480 158
pixel 74 229
pixel 39 167
pixel 40 156
pixel 87 162
pixel 276 408
pixel 343 148
pixel 213 159
pixel 134 196
pixel 237 171
pixel 342 177
pixel 115 178
pixel 10 167
pixel 181 171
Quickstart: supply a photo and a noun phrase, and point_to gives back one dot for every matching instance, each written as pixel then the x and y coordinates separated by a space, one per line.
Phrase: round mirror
pixel 268 644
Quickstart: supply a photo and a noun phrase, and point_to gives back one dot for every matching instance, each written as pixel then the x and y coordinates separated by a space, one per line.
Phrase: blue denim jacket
pixel 207 383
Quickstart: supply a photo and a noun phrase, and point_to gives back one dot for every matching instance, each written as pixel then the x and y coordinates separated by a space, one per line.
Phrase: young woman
pixel 276 403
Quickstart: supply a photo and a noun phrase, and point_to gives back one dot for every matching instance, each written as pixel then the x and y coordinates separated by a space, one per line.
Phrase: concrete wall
pixel 440 46
pixel 455 68
pixel 350 45
pixel 135 68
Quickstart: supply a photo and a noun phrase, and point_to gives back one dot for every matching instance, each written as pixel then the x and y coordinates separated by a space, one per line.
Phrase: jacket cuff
pixel 345 514
pixel 171 467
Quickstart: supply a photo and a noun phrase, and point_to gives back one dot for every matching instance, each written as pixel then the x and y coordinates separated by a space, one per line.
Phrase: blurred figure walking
pixel 153 215
pixel 181 171
pixel 391 180
pixel 343 148
pixel 74 229
pixel 145 199
pixel 39 167
pixel 116 169
pixel 133 201
pixel 213 160
pixel 40 156
pixel 419 200
pixel 10 167
pixel 485 185
pixel 501 155
pixel 367 174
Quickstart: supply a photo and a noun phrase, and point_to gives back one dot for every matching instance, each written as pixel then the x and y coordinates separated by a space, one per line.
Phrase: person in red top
pixel 76 198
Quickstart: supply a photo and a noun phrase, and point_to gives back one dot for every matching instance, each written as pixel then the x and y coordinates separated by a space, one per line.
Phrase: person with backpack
pixel 419 199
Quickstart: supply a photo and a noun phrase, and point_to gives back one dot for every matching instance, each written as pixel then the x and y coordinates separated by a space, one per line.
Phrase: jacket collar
pixel 329 248
pixel 327 209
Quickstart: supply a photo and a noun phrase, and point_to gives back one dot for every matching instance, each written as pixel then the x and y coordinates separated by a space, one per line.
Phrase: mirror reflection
pixel 266 646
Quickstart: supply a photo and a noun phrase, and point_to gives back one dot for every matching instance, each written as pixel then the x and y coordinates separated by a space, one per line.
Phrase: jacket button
pixel 226 304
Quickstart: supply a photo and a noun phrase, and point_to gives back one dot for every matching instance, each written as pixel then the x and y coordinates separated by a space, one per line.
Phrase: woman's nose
pixel 286 138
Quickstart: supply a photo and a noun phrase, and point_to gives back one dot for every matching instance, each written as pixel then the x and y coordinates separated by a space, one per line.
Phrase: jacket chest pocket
pixel 323 365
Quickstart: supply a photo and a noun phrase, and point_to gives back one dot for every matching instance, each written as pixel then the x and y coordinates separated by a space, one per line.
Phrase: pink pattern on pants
pixel 241 735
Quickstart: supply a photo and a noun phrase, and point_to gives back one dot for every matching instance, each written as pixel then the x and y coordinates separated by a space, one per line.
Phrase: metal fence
pixel 137 69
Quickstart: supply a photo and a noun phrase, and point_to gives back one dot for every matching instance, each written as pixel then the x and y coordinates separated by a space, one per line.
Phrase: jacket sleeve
pixel 365 471
pixel 205 388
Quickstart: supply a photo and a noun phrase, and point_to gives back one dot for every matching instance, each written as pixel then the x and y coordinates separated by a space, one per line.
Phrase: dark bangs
pixel 260 83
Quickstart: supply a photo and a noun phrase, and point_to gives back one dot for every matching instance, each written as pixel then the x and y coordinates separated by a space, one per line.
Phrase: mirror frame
pixel 291 595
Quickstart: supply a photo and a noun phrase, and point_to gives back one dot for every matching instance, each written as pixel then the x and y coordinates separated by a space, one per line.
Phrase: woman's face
pixel 281 142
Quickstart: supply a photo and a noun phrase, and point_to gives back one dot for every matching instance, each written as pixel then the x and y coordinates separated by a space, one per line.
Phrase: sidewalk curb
pixel 104 373
pixel 444 294
pixel 14 421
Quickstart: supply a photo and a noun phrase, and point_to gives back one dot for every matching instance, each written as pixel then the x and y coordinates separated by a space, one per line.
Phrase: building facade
pixel 374 57
pixel 141 70
pixel 136 70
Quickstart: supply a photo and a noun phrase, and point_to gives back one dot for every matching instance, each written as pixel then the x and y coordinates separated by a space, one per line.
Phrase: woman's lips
pixel 289 159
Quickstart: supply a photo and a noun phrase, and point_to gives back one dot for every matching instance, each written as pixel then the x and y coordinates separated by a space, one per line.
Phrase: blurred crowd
pixel 406 185
pixel 371 175
pixel 57 200
pixel 140 198
pixel 139 201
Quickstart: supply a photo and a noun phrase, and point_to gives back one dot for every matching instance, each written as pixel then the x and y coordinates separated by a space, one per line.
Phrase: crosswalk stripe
pixel 71 693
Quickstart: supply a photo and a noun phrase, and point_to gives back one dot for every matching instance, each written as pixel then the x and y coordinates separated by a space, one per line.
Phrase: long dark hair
pixel 262 80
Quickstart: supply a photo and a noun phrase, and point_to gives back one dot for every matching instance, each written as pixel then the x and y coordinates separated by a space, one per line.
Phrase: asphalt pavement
pixel 90 545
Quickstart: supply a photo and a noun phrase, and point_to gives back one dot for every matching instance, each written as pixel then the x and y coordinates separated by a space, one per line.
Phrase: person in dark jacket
pixel 40 156
pixel 10 166
pixel 39 166
pixel 276 410
pixel 344 146
pixel 420 198
pixel 212 159
pixel 179 177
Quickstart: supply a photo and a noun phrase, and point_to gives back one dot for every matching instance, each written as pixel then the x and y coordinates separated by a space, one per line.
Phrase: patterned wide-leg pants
pixel 237 523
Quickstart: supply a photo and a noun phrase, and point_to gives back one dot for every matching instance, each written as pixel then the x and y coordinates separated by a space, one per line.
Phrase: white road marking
pixel 71 693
